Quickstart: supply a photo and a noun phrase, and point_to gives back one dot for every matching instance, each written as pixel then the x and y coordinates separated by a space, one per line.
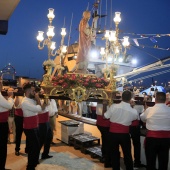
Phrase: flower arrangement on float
pixel 74 80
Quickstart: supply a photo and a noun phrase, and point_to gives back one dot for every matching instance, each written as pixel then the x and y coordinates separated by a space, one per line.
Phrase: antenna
pixel 64 22
pixel 87 7
pixel 70 29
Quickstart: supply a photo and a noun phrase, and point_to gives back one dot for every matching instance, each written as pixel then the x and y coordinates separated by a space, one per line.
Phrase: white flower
pixel 49 62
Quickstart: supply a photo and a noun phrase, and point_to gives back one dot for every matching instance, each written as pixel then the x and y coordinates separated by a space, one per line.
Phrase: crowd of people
pixel 32 115
pixel 118 124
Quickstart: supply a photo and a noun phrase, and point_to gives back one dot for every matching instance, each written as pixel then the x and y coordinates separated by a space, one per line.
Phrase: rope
pixel 146 52
pixel 151 75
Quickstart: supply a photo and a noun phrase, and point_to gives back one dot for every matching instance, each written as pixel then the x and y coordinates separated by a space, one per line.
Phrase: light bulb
pixel 40 36
pixel 125 41
pixel 64 49
pixel 51 15
pixel 50 32
pixel 107 34
pixel 52 47
pixel 63 31
pixel 102 51
pixel 117 18
pixel 112 36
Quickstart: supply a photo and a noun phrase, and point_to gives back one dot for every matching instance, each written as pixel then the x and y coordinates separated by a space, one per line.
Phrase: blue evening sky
pixel 19 46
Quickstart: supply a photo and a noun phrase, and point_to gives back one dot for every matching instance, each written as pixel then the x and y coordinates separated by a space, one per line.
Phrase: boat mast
pixel 95 16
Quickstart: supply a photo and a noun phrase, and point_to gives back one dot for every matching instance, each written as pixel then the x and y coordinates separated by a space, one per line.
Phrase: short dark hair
pixel 160 97
pixel 126 96
pixel 37 89
pixel 27 86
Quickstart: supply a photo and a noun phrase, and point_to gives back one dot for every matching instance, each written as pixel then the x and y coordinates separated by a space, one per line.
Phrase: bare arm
pixel 37 98
pixel 16 103
pixel 105 103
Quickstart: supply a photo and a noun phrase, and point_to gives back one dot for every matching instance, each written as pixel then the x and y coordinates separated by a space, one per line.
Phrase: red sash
pixel 93 108
pixel 43 117
pixel 30 122
pixel 118 128
pixel 168 103
pixel 135 123
pixel 19 112
pixel 102 122
pixel 4 116
pixel 158 134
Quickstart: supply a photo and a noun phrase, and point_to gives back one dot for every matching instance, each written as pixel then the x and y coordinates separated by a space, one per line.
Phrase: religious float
pixel 77 83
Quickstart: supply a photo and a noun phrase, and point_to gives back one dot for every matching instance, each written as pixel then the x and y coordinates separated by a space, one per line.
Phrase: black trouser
pixel 32 136
pixel 19 130
pixel 45 134
pixel 93 114
pixel 135 135
pixel 3 144
pixel 105 140
pixel 122 139
pixel 157 147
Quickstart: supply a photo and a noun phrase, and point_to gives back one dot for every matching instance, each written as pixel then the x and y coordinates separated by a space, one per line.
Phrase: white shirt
pixel 52 107
pixel 82 106
pixel 29 107
pixel 93 104
pixel 5 105
pixel 140 109
pixel 99 109
pixel 153 99
pixel 121 113
pixel 157 117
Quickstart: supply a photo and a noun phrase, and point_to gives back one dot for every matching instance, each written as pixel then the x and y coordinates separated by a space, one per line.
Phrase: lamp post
pixel 113 44
pixel 51 45
pixel 113 48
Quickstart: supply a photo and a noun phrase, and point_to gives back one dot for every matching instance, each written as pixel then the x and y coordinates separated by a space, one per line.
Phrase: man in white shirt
pixel 103 125
pixel 18 123
pixel 121 116
pixel 4 113
pixel 11 122
pixel 157 120
pixel 45 133
pixel 135 134
pixel 53 112
pixel 31 106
